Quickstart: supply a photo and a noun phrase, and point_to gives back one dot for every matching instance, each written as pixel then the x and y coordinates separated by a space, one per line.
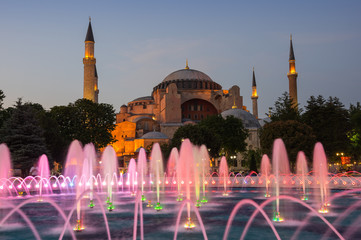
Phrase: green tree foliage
pixel 230 131
pixel 221 136
pixel 198 135
pixel 284 109
pixel 4 113
pixel 253 159
pixel 330 123
pixel 296 136
pixel 55 141
pixel 355 133
pixel 86 121
pixel 24 136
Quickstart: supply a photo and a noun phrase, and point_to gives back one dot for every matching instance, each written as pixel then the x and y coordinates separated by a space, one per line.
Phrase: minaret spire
pixel 292 55
pixel 292 76
pixel 89 35
pixel 254 96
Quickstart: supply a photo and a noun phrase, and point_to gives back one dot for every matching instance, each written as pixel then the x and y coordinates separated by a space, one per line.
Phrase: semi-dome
pixel 154 135
pixel 187 74
pixel 249 121
pixel 143 98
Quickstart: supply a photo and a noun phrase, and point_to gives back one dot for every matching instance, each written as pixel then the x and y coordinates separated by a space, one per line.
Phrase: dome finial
pixel 90 19
pixel 186 64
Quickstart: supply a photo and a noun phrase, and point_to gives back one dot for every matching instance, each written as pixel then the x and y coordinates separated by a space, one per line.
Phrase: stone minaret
pixel 91 90
pixel 292 76
pixel 254 96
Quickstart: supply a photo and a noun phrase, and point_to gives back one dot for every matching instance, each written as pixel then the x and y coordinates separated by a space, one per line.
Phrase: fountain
pixel 110 169
pixel 281 168
pixel 186 166
pixel 132 176
pixel 204 165
pixel 223 174
pixel 302 170
pixel 142 171
pixel 156 164
pixel 266 171
pixel 321 174
pixel 251 215
pixel 5 166
pixel 44 174
pixel 88 171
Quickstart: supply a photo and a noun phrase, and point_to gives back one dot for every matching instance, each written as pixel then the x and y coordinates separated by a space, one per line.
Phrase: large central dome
pixel 189 79
pixel 187 74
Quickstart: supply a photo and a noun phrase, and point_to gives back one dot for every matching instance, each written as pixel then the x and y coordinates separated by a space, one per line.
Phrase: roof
pixel 187 74
pixel 263 121
pixel 154 135
pixel 143 98
pixel 249 121
pixel 89 35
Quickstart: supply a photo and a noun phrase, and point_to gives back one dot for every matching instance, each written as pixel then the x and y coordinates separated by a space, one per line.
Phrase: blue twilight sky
pixel 138 43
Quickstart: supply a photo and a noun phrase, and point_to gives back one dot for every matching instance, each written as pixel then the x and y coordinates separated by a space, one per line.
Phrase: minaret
pixel 90 72
pixel 254 96
pixel 292 76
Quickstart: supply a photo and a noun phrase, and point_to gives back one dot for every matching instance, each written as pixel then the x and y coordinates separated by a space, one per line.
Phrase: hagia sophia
pixel 185 96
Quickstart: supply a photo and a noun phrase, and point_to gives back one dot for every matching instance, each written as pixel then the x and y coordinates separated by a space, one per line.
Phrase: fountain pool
pixel 92 200
pixel 160 225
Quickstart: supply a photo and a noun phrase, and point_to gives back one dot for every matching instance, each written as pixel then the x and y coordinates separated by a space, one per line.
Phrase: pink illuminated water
pixel 88 168
pixel 266 172
pixel 110 170
pixel 302 170
pixel 156 165
pixel 74 160
pixel 5 162
pixel 321 173
pixel 132 176
pixel 74 167
pixel 223 173
pixel 44 173
pixel 204 166
pixel 142 169
pixel 172 163
pixel 280 166
pixel 186 168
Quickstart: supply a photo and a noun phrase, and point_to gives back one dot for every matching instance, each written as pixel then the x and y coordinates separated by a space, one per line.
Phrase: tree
pixel 253 159
pixel 230 131
pixel 284 109
pixel 55 142
pixel 330 123
pixel 354 134
pixel 86 121
pixel 221 136
pixel 295 135
pixel 3 113
pixel 198 135
pixel 24 136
